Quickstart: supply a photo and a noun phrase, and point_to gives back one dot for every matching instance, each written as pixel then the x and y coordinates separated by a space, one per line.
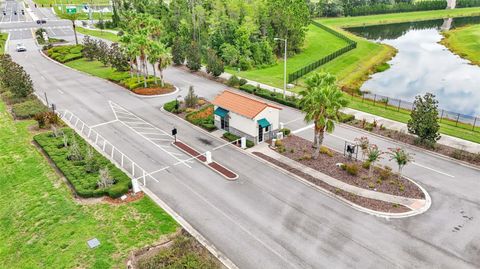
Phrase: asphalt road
pixel 266 219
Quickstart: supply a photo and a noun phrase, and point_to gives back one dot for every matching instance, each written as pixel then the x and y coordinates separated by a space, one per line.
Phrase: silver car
pixel 21 47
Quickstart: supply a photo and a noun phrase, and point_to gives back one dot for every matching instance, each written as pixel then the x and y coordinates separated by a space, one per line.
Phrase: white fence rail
pixel 107 149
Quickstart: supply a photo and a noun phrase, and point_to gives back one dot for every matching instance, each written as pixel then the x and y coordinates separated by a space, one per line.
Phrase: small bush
pixel 458 154
pixel 368 127
pixel 171 106
pixel 344 118
pixel 203 118
pixel 385 173
pixel 366 165
pixel 326 151
pixel 248 88
pixel 233 81
pixel 135 83
pixel 305 157
pixel 285 131
pixel 242 82
pixel 28 109
pixel 46 119
pixel 371 185
pixel 351 168
pixel 65 54
pixel 230 137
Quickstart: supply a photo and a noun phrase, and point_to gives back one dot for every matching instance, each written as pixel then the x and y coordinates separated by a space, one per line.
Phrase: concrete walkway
pixel 389 124
pixel 414 204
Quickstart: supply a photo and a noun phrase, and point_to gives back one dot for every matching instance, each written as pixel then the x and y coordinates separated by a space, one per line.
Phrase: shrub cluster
pixel 74 157
pixel 65 54
pixel 396 7
pixel 203 118
pixel 272 96
pixel 28 109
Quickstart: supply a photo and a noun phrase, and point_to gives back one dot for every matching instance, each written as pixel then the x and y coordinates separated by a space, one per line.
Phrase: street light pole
pixel 284 66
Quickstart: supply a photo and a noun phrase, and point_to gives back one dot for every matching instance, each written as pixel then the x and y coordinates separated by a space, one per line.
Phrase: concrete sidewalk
pixel 389 124
pixel 414 204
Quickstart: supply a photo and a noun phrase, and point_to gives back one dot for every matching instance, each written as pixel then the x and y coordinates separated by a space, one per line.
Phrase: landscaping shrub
pixel 231 137
pixel 46 118
pixel 385 173
pixel 171 106
pixel 84 184
pixel 135 83
pixel 269 95
pixel 366 165
pixel 285 131
pixel 344 118
pixel 242 82
pixel 350 168
pixel 233 81
pixel 203 118
pixel 248 88
pixel 326 151
pixel 65 54
pixel 28 109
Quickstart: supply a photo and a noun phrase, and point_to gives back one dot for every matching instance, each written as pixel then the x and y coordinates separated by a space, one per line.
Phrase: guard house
pixel 245 116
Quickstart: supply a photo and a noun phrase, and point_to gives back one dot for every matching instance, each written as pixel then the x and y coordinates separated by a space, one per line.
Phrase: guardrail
pixel 309 68
pixel 117 157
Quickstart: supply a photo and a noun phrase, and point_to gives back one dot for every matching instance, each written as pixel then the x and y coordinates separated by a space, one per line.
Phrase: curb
pixel 205 164
pixel 332 195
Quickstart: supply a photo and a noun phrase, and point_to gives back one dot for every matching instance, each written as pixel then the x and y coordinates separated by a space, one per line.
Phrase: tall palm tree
pixel 164 61
pixel 154 51
pixel 320 102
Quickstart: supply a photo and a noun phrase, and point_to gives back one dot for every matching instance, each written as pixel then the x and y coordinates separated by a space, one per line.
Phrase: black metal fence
pixel 309 68
pixel 453 118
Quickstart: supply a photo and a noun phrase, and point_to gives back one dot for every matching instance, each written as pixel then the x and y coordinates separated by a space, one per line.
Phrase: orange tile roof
pixel 241 104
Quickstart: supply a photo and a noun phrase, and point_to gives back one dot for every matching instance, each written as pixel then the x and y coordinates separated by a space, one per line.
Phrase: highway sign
pixel 71 9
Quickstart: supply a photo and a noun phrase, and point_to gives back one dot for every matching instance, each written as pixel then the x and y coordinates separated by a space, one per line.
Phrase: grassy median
pixel 465 42
pixel 3 40
pixel 42 226
pixel 99 33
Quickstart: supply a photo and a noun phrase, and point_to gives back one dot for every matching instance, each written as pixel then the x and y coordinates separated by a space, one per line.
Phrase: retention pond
pixel 423 65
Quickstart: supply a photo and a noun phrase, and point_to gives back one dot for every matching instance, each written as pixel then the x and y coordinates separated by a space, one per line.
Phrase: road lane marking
pixel 104 123
pixel 288 122
pixel 60 91
pixel 434 170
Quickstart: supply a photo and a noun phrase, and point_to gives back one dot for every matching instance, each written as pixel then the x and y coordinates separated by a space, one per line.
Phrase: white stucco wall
pixel 243 124
pixel 272 115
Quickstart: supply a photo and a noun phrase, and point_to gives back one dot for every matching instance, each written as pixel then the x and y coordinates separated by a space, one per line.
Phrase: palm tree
pixel 320 102
pixel 401 157
pixel 164 61
pixel 154 51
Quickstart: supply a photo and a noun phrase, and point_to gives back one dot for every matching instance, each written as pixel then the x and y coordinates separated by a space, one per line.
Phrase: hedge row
pixel 65 54
pixel 231 137
pixel 310 67
pixel 83 182
pixel 290 101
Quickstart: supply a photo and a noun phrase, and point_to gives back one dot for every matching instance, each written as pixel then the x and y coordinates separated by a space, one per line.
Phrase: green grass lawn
pixel 447 127
pixel 96 68
pixel 465 42
pixel 399 17
pixel 3 40
pixel 318 43
pixel 100 34
pixel 41 226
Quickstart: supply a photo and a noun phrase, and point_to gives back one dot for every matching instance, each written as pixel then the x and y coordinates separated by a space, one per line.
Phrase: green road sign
pixel 71 9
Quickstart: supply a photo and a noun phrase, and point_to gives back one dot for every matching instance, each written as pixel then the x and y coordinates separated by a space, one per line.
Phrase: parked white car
pixel 21 47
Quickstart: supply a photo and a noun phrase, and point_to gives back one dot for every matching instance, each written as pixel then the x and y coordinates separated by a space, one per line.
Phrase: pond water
pixel 423 65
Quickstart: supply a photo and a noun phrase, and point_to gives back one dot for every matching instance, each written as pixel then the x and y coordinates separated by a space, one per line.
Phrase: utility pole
pixel 284 65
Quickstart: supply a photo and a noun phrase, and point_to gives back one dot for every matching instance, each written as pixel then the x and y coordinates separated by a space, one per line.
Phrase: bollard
pixel 135 186
pixel 208 155
pixel 282 125
pixel 243 142
pixel 273 142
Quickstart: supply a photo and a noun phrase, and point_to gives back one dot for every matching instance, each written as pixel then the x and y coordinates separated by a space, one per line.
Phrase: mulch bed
pixel 155 90
pixel 214 165
pixel 131 197
pixel 372 204
pixel 300 149
pixel 455 153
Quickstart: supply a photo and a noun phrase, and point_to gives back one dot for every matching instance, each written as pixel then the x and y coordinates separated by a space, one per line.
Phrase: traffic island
pixel 225 172
pixel 375 190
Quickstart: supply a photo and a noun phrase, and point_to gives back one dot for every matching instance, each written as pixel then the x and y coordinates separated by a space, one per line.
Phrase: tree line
pixel 235 33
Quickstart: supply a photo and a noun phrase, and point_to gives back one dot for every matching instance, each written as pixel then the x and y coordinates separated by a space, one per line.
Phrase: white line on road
pixel 104 123
pixel 60 91
pixel 434 170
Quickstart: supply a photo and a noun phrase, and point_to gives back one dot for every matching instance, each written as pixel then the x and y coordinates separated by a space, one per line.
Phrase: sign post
pixel 174 133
